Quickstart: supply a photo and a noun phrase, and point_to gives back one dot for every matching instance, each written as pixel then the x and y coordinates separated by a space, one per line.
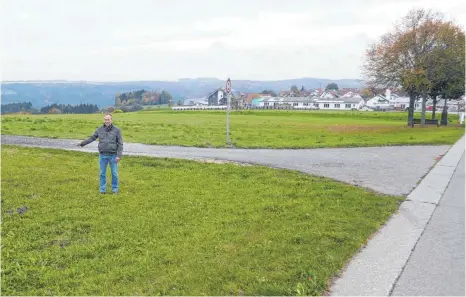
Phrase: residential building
pixel 219 97
pixel 196 102
pixel 378 101
pixel 346 103
pixel 285 101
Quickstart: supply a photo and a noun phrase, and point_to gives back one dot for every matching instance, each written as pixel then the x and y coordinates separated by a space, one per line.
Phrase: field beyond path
pixel 249 129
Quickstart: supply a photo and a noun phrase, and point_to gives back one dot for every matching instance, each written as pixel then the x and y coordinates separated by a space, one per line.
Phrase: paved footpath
pixel 420 251
pixel 391 170
pixel 436 266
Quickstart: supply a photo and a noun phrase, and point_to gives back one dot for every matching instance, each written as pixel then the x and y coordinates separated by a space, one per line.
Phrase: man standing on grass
pixel 110 149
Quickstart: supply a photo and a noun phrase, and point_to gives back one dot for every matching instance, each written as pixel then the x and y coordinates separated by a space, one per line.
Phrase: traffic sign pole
pixel 228 119
pixel 228 91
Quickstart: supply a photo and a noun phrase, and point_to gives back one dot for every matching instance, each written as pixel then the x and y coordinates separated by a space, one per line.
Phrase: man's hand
pixel 117 159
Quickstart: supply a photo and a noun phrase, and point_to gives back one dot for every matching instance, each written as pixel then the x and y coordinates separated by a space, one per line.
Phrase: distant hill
pixel 42 93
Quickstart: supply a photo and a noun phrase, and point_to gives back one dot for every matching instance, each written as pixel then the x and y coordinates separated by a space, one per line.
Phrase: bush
pixel 109 109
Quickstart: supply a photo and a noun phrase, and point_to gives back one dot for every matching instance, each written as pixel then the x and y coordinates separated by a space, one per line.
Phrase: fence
pixel 223 107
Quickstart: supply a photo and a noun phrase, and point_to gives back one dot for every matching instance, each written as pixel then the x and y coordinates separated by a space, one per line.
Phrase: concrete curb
pixel 377 267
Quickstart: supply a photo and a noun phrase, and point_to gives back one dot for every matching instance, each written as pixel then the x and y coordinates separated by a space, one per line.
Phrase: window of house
pixel 266 104
pixel 348 105
pixel 275 104
pixel 337 105
pixel 295 104
pixel 306 104
pixel 403 106
pixel 326 105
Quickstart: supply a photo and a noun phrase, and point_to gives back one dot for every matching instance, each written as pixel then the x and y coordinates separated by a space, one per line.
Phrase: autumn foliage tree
pixel 143 97
pixel 446 64
pixel 408 58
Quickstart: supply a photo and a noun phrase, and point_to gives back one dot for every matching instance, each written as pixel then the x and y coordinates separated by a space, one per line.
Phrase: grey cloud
pixel 79 39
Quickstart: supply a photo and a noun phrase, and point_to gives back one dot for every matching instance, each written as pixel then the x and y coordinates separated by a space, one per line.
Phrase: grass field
pixel 177 228
pixel 249 129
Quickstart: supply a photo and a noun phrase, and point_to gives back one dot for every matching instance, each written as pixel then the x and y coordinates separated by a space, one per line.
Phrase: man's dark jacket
pixel 110 140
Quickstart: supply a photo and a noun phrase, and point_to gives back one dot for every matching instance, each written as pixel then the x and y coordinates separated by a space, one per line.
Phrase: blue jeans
pixel 104 160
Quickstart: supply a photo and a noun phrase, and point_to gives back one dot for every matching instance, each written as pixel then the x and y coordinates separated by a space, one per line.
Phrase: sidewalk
pixel 436 266
pixel 429 224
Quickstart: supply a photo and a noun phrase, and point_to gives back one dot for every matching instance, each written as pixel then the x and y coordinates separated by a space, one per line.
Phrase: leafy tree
pixel 269 92
pixel 165 97
pixel 446 64
pixel 331 86
pixel 367 93
pixel 405 58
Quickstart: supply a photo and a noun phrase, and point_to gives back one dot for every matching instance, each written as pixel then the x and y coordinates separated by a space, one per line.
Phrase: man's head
pixel 108 119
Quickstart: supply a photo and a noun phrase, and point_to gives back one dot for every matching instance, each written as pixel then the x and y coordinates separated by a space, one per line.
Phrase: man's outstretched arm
pixel 89 140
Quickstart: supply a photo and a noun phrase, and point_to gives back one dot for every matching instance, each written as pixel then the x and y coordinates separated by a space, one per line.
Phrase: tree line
pixel 143 97
pixel 62 108
pixel 53 108
pixel 17 107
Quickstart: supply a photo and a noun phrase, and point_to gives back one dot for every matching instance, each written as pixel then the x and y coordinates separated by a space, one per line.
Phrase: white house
pixel 286 101
pixel 379 101
pixel 269 101
pixel 340 103
pixel 399 103
pixel 196 102
pixel 395 101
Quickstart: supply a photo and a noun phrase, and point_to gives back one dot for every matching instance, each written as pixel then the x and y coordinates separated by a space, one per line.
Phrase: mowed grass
pixel 249 129
pixel 178 227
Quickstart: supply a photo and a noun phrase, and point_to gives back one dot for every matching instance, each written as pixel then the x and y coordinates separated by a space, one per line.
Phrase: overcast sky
pixel 156 40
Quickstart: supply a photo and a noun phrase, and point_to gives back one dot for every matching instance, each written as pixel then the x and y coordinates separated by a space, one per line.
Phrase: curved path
pixel 392 170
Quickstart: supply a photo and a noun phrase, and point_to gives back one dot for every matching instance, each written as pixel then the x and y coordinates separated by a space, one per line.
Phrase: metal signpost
pixel 228 91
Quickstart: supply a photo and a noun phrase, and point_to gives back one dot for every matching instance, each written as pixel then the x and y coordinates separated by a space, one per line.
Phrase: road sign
pixel 228 86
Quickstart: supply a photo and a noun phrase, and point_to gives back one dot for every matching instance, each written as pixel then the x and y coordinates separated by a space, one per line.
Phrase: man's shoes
pixel 102 193
pixel 115 192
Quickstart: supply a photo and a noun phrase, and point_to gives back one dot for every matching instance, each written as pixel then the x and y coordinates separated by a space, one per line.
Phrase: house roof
pixel 331 92
pixel 234 93
pixel 380 96
pixel 252 96
pixel 351 95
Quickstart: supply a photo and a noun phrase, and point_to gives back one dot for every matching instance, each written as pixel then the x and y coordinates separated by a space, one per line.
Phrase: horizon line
pixel 178 80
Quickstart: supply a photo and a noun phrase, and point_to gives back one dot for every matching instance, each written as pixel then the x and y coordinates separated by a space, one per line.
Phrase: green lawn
pixel 249 129
pixel 177 228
